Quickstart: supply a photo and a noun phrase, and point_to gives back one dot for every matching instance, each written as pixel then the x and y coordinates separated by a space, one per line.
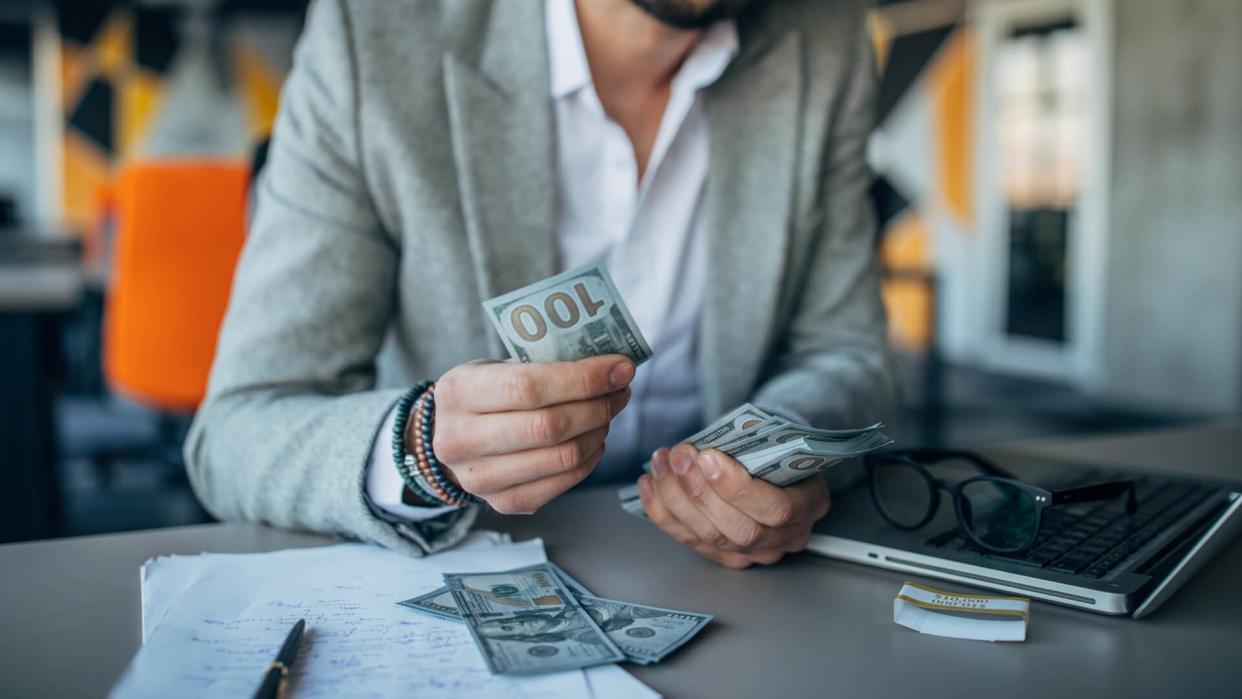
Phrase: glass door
pixel 1042 147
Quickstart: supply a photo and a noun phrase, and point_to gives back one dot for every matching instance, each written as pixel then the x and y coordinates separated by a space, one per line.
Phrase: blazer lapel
pixel 501 121
pixel 754 124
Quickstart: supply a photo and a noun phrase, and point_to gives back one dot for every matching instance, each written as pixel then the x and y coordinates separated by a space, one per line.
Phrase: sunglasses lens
pixel 902 492
pixel 1000 515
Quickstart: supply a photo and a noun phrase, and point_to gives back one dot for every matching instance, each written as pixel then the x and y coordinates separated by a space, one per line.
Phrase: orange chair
pixel 179 230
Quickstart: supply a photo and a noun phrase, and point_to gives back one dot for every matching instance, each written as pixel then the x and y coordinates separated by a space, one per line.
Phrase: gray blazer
pixel 411 176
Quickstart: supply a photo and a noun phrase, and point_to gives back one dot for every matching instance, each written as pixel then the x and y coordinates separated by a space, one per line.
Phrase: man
pixel 430 155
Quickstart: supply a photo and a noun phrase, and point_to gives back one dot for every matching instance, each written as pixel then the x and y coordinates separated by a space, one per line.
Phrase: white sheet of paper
pixel 611 682
pixel 213 622
pixel 162 580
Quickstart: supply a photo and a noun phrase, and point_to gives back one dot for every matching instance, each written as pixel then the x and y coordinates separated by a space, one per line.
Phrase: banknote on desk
pixel 526 622
pixel 644 633
pixel 439 602
pixel 573 315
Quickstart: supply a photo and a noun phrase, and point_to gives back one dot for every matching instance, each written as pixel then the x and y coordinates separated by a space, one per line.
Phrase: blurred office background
pixel 1060 185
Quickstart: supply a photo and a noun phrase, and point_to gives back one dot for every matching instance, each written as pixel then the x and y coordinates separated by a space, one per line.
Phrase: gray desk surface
pixel 40 287
pixel 69 609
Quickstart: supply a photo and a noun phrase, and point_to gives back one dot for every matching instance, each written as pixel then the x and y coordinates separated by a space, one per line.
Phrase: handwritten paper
pixel 165 577
pixel 212 624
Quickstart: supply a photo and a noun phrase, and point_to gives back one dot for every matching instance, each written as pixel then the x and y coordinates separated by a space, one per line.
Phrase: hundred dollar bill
pixel 528 622
pixel 776 432
pixel 774 449
pixel 634 507
pixel 754 453
pixel 570 316
pixel 809 450
pixel 574 586
pixel 628 492
pixel 741 420
pixel 631 501
pixel 793 464
pixel 439 602
pixel 644 634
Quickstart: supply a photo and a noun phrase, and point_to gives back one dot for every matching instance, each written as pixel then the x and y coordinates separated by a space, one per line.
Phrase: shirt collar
pixel 567 62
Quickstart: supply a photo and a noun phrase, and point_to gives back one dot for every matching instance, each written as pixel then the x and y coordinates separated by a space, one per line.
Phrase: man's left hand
pixel 707 501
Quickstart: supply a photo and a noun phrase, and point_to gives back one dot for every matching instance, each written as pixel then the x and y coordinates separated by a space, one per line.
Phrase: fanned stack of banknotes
pixel 773 449
pixel 579 313
pixel 539 619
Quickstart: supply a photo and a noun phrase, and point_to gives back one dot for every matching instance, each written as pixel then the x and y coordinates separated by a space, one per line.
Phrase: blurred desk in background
pixel 40 284
pixel 808 626
pixel 39 273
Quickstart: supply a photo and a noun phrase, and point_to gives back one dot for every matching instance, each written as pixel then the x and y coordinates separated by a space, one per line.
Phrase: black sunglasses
pixel 999 512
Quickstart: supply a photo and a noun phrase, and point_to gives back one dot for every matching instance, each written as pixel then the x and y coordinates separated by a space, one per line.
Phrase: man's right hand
pixel 518 435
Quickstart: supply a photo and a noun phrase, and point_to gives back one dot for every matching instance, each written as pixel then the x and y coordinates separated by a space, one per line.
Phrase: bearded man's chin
pixel 688 14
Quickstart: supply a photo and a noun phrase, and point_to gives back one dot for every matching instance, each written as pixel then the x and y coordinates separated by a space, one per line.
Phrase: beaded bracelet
pixel 402 459
pixel 434 467
pixel 421 464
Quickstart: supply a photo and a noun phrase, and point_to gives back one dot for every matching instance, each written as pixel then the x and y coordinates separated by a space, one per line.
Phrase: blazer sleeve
pixel 832 367
pixel 291 412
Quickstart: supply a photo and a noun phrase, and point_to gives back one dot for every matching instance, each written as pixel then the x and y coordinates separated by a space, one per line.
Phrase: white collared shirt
pixel 649 233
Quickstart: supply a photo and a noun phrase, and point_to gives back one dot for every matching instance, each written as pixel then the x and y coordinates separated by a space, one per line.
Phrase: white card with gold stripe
pixel 960 615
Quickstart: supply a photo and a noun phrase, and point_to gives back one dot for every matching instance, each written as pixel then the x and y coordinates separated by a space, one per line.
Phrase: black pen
pixel 278 671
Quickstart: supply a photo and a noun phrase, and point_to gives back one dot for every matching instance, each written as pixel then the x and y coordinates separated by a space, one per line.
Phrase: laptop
pixel 1092 555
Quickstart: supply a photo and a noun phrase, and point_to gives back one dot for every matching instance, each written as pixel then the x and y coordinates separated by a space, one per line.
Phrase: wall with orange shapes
pixel 139 81
pixel 938 181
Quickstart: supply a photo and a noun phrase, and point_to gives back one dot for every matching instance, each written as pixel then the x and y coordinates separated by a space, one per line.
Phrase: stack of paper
pixel 213 623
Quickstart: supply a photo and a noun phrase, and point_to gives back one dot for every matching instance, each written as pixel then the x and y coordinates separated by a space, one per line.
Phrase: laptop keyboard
pixel 1092 539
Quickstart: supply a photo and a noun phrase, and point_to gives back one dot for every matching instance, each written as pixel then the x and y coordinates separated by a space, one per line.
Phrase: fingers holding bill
pixel 665 480
pixel 508 386
pixel 767 504
pixel 742 531
pixel 528 497
pixel 687 495
pixel 493 474
pixel 491 434
pixel 660 515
